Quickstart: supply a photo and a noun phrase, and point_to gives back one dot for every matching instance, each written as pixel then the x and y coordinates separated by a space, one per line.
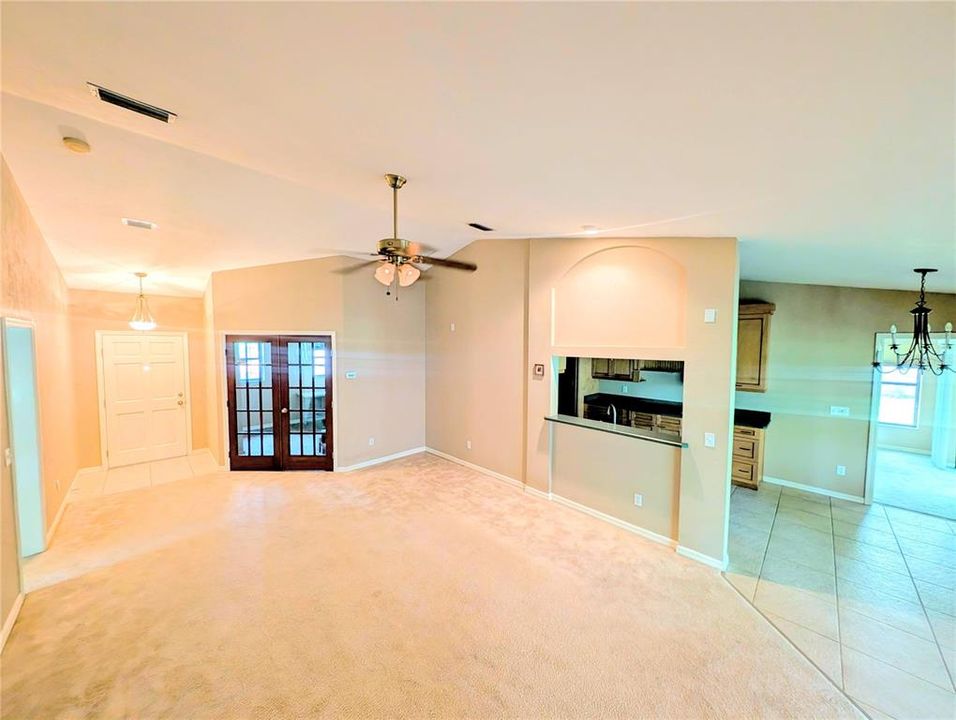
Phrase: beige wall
pixel 821 347
pixel 92 310
pixel 591 468
pixel 379 338
pixel 476 373
pixel 481 387
pixel 710 268
pixel 32 287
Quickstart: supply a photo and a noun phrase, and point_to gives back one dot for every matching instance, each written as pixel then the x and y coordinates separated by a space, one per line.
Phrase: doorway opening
pixel 279 402
pixel 23 420
pixel 912 463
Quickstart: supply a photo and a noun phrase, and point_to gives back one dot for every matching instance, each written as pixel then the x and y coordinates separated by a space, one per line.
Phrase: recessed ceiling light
pixel 144 224
pixel 76 145
pixel 590 229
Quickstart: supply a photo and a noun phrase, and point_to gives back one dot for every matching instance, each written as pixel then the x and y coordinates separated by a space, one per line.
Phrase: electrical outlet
pixel 710 440
pixel 841 470
pixel 638 500
pixel 624 389
pixel 710 315
pixel 468 444
pixel 839 411
pixel 453 327
pixel 371 441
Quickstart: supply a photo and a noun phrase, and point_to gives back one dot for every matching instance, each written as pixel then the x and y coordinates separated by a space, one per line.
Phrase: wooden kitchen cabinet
pixel 612 369
pixel 746 467
pixel 753 345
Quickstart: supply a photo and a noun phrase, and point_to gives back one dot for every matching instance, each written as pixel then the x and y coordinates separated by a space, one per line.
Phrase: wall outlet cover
pixel 710 315
pixel 841 470
pixel 638 500
pixel 839 411
pixel 371 441
pixel 710 440
pixel 468 444
pixel 350 374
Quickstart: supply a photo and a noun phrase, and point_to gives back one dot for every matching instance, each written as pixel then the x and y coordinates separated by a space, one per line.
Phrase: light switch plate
pixel 710 315
pixel 538 370
pixel 839 411
pixel 710 440
pixel 350 374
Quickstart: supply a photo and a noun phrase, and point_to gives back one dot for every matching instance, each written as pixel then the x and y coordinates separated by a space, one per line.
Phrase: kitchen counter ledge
pixel 648 435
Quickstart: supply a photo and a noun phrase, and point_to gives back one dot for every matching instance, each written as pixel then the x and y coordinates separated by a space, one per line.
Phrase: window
pixel 899 398
pixel 247 362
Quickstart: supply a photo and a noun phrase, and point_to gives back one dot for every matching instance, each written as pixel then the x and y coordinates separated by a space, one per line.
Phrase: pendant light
pixel 142 319
pixel 922 353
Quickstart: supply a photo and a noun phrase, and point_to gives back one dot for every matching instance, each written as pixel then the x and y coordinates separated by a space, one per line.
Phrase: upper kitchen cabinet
pixel 753 338
pixel 612 369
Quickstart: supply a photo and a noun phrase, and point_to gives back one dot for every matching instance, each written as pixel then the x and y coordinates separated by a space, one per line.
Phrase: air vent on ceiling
pixel 479 226
pixel 128 103
pixel 144 224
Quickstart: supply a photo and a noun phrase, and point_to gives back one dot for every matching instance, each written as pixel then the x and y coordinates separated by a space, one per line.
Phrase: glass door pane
pixel 251 387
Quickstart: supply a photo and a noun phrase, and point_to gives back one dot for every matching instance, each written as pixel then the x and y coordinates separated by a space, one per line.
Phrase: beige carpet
pixel 415 589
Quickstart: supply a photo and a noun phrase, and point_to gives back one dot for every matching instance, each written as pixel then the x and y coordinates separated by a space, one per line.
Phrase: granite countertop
pixel 625 430
pixel 748 418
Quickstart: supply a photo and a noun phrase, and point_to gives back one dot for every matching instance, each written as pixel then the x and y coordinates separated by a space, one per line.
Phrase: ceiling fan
pixel 397 259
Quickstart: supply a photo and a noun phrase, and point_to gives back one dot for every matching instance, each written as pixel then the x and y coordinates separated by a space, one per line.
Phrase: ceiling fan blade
pixel 356 267
pixel 453 264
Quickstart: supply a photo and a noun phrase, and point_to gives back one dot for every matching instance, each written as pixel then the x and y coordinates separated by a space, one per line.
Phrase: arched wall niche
pixel 621 297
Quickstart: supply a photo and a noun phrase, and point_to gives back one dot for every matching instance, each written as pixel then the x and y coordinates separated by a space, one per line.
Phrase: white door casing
pixel 144 384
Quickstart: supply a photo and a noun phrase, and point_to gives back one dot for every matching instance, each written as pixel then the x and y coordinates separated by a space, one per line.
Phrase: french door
pixel 280 402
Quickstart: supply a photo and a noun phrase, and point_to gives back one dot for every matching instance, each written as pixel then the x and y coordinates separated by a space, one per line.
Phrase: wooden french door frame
pixel 331 395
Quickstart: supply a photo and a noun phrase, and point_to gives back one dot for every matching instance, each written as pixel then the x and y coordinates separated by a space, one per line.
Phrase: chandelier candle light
pixel 922 354
pixel 142 319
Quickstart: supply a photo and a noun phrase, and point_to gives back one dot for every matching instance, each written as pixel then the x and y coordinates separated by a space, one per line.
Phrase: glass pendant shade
pixel 408 274
pixel 385 273
pixel 142 319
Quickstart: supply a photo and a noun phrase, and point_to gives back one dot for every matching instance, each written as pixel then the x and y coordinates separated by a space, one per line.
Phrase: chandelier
pixel 921 354
pixel 142 318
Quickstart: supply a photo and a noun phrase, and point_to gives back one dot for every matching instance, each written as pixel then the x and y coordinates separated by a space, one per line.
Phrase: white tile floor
pixel 132 477
pixel 868 593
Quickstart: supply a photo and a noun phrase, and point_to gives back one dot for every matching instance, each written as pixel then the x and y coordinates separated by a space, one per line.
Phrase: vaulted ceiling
pixel 820 134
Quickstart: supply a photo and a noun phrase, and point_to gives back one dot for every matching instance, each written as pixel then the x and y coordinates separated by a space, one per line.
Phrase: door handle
pixel 285 411
pixel 180 402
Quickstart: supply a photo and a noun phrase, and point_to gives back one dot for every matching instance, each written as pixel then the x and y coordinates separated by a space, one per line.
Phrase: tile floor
pixel 133 477
pixel 868 593
pixel 911 481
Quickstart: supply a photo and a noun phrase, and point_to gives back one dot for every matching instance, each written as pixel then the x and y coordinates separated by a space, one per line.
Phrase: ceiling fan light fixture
pixel 385 273
pixel 408 274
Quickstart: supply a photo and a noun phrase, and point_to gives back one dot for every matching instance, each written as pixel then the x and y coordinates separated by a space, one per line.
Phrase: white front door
pixel 144 385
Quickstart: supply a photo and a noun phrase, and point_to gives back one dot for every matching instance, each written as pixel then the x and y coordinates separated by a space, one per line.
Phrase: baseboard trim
pixel 478 468
pixel 812 489
pixel 380 460
pixel 901 448
pixel 617 522
pixel 713 562
pixel 537 493
pixel 51 531
pixel 11 620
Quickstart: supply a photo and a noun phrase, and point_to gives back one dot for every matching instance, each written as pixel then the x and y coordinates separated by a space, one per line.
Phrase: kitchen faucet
pixel 611 410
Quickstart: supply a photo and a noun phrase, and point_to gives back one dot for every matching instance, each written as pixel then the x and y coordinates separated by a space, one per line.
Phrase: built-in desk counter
pixel 625 430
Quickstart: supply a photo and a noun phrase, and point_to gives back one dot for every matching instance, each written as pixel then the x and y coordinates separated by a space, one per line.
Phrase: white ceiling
pixel 821 135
